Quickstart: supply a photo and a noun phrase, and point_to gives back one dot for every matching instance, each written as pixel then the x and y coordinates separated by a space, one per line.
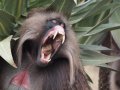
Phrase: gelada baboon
pixel 47 56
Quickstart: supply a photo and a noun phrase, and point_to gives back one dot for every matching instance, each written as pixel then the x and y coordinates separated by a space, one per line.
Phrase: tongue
pixel 45 59
pixel 46 53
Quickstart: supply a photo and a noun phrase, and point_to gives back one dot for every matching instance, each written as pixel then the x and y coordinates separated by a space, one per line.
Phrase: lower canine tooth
pixel 63 39
pixel 49 60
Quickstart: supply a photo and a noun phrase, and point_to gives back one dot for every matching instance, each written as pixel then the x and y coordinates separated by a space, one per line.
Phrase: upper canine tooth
pixel 55 34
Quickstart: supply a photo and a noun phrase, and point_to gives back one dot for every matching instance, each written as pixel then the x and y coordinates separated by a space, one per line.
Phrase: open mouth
pixel 53 39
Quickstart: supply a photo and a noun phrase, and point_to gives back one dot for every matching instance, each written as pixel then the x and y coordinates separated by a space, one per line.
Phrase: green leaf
pixel 6 24
pixel 5 51
pixel 104 28
pixel 115 18
pixel 81 8
pixel 89 79
pixel 0 3
pixel 96 39
pixel 104 20
pixel 94 47
pixel 116 36
pixel 15 7
pixel 40 3
pixel 95 58
pixel 75 1
pixel 108 67
pixel 88 31
pixel 63 6
pixel 79 1
pixel 97 8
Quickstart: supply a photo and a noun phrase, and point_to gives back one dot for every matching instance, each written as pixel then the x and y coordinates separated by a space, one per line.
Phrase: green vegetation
pixel 96 23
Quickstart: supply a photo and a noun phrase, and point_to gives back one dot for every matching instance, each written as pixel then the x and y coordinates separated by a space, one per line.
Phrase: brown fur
pixel 64 73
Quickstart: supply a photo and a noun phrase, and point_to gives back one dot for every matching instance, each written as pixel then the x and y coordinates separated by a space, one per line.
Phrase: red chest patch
pixel 22 79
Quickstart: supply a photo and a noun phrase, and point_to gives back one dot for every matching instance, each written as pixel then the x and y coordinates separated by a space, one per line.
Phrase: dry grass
pixel 93 73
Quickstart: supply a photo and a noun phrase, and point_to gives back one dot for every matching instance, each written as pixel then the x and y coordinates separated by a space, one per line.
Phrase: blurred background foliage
pixel 96 23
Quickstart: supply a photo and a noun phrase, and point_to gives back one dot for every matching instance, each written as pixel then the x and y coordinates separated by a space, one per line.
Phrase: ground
pixel 93 72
